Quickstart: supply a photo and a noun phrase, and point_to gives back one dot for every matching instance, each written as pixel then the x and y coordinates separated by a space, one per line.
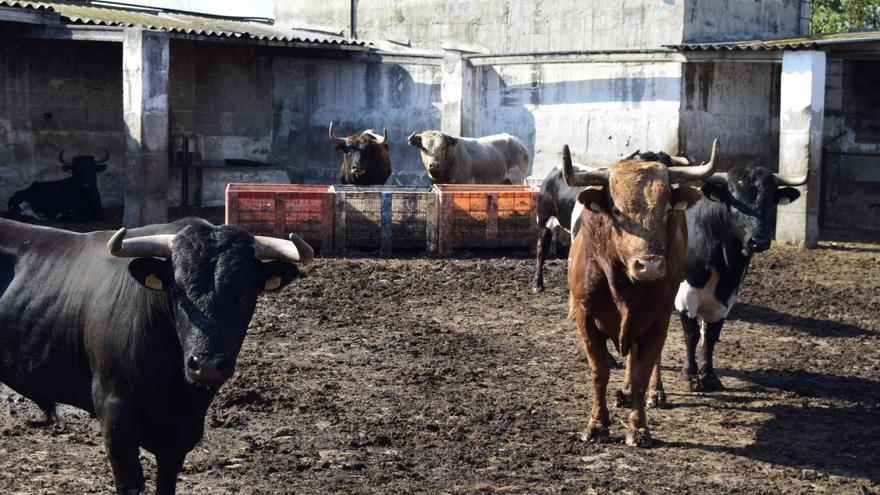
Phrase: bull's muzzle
pixel 648 268
pixel 209 370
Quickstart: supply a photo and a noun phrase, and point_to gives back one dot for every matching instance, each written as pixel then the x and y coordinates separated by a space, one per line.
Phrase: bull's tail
pixel 571 306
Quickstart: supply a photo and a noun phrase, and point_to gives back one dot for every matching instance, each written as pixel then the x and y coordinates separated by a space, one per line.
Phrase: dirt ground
pixel 450 376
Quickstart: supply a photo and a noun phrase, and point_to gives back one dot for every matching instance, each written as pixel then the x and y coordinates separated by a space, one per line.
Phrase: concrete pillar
pixel 802 112
pixel 457 95
pixel 145 68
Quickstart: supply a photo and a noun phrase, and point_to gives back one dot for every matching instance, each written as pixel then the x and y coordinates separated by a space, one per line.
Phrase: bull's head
pixel 437 151
pixel 212 277
pixel 84 168
pixel 750 196
pixel 360 150
pixel 638 199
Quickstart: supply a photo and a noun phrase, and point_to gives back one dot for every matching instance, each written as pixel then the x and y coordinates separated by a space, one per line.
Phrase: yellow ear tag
pixel 715 198
pixel 273 283
pixel 595 207
pixel 783 201
pixel 153 282
pixel 680 206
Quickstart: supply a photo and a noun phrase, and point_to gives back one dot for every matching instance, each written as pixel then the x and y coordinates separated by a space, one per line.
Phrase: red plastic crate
pixel 280 209
pixel 486 216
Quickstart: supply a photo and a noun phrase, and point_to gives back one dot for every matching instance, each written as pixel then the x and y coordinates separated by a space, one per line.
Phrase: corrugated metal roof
pixel 795 43
pixel 84 13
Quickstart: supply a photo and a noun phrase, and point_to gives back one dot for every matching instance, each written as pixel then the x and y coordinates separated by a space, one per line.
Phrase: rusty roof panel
pixel 811 42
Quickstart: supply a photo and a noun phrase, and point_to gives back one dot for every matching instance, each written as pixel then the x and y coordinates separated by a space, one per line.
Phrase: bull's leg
pixel 646 353
pixel 168 465
pixel 623 397
pixel 691 330
pixel 656 394
pixel 541 254
pixel 120 440
pixel 596 351
pixel 708 380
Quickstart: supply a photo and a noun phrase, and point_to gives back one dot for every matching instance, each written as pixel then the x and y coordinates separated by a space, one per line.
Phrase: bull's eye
pixel 616 211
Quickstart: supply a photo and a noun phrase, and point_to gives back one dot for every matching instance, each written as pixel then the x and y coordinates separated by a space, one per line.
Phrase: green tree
pixel 835 16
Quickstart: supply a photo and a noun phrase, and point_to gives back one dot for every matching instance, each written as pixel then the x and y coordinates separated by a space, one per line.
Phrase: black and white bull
pixel 139 328
pixel 74 199
pixel 726 228
pixel 559 210
pixel 365 157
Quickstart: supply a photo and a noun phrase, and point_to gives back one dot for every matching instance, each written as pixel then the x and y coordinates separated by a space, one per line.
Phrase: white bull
pixel 496 159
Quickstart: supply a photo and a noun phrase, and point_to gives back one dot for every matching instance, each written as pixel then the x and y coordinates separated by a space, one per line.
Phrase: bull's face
pixel 640 203
pixel 751 196
pixel 84 169
pixel 359 154
pixel 437 151
pixel 212 279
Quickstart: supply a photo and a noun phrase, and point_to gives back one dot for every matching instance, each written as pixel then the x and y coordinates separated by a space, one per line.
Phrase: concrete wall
pixel 737 103
pixel 500 27
pixel 719 20
pixel 58 95
pixel 601 110
pixel 309 94
pixel 529 25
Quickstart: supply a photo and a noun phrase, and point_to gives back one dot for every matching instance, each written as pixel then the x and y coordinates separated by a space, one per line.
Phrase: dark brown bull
pixel 624 269
pixel 365 159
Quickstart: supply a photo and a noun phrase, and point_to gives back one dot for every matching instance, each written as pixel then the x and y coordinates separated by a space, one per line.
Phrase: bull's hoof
pixel 537 289
pixel 710 383
pixel 612 363
pixel 622 398
pixel 694 383
pixel 638 437
pixel 596 433
pixel 657 399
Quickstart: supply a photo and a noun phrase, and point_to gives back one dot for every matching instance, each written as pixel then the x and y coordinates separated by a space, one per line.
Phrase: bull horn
pixel 384 136
pixel 633 155
pixel 332 135
pixel 270 248
pixel 62 160
pixel 791 180
pixel 582 178
pixel 158 246
pixel 105 157
pixel 680 160
pixel 684 174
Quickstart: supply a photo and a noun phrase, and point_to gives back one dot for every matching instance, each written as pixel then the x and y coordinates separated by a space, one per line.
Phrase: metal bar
pixel 385 228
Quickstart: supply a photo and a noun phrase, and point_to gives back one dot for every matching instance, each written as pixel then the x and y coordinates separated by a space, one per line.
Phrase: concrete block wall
pixel 738 103
pixel 601 110
pixel 58 95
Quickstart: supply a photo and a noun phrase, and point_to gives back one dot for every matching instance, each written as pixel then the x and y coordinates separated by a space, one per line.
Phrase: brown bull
pixel 624 269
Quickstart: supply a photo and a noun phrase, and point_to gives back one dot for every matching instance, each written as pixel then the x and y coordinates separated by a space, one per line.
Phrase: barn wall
pixel 58 95
pixel 309 94
pixel 601 110
pixel 851 184
pixel 738 103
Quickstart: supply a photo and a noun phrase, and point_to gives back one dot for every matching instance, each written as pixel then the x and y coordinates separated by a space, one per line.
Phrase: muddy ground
pixel 450 376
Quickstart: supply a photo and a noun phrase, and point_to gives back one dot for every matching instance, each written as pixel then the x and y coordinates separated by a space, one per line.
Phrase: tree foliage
pixel 834 16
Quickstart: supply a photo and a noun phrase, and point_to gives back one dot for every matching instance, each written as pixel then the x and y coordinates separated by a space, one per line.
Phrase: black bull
pixel 141 338
pixel 365 158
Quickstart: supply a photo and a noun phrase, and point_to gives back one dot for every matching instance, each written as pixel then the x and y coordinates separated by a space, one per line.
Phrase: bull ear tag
pixel 783 201
pixel 680 206
pixel 714 197
pixel 595 207
pixel 153 282
pixel 273 283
